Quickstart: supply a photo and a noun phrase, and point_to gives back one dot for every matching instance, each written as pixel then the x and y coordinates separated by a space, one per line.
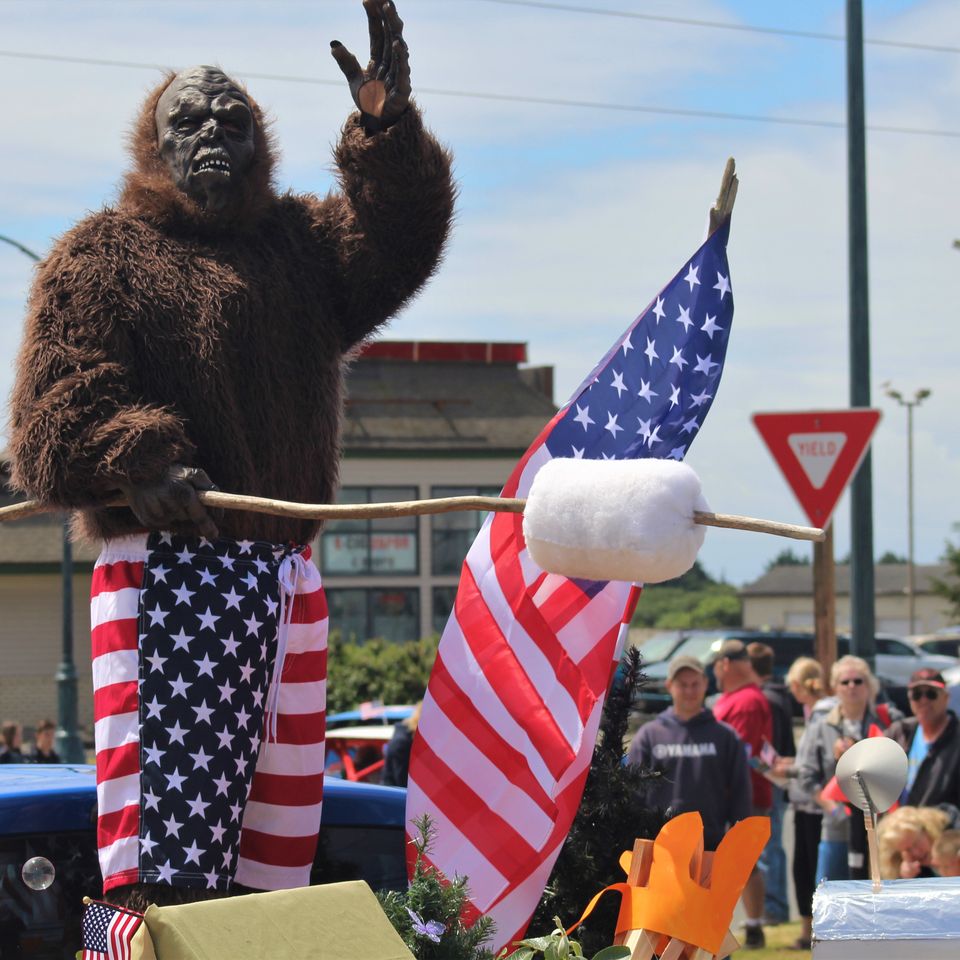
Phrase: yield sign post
pixel 818 452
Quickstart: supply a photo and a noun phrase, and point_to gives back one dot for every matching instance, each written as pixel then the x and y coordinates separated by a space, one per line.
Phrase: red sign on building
pixel 818 451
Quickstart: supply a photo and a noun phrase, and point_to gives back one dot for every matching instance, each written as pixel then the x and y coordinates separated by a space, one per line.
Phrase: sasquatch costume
pixel 183 334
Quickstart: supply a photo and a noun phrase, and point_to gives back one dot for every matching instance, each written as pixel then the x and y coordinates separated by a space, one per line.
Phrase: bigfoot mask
pixel 205 135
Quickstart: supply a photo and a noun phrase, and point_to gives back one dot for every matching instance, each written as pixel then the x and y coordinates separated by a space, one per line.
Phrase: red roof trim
pixel 446 351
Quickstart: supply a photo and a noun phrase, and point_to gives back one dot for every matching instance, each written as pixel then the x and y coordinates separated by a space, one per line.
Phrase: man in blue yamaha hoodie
pixel 702 762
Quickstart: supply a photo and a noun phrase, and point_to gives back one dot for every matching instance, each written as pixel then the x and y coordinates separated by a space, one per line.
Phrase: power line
pixel 517 98
pixel 720 25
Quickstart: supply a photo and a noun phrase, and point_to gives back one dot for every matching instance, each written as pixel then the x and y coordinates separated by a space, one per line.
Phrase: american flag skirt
pixel 209 674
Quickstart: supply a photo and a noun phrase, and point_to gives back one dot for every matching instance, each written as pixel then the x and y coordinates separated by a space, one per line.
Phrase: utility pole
pixel 861 492
pixel 68 742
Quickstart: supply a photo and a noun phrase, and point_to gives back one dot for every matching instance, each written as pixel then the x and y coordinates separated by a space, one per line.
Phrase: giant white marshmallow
pixel 614 519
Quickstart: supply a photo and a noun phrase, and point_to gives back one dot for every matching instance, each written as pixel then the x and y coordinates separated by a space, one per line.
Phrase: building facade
pixel 423 420
pixel 783 598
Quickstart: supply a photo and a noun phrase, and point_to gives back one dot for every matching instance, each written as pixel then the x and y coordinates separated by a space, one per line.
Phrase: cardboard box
pixel 327 922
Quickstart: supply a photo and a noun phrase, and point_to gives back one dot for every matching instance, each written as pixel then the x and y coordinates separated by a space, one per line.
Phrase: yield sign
pixel 818 452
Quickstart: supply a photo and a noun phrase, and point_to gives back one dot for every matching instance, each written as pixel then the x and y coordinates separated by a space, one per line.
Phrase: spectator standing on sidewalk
pixel 743 705
pixel 11 740
pixel 43 751
pixel 931 739
pixel 806 683
pixel 773 860
pixel 701 762
pixel 824 741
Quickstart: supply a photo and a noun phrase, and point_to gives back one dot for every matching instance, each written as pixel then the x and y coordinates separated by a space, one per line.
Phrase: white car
pixel 952 676
pixel 897 659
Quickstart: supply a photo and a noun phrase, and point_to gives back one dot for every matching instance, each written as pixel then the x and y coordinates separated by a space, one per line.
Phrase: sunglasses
pixel 852 682
pixel 922 692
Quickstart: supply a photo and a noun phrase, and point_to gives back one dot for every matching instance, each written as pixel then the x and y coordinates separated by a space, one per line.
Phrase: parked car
pixel 946 644
pixel 50 811
pixel 370 715
pixel 661 646
pixel 898 657
pixel 895 660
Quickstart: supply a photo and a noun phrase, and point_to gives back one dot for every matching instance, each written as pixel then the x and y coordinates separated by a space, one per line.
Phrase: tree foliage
pixel 949 588
pixel 612 814
pixel 888 556
pixel 428 914
pixel 787 558
pixel 692 601
pixel 377 670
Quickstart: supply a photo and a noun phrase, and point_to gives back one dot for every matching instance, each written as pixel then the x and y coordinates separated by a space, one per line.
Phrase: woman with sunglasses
pixel 931 739
pixel 824 741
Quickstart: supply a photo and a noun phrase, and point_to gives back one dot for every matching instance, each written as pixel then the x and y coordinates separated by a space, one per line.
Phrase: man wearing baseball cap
pixel 931 738
pixel 743 705
pixel 701 762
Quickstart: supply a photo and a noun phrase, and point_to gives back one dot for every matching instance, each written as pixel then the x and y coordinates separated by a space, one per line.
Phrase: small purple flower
pixel 432 930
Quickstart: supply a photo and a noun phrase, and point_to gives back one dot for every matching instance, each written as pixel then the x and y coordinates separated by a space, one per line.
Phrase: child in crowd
pixel 946 854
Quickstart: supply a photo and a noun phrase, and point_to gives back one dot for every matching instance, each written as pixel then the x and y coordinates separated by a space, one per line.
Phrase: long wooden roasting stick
pixel 409 508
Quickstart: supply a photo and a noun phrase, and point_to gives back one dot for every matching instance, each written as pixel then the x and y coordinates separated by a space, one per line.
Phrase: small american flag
pixel 108 931
pixel 511 714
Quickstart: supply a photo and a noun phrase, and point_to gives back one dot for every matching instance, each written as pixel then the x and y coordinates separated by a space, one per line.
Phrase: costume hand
pixel 173 504
pixel 382 90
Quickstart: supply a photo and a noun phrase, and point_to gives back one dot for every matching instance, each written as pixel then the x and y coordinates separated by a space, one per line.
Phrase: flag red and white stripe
pixel 511 715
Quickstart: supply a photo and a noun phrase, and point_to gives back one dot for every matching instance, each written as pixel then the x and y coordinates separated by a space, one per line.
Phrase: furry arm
pixel 384 232
pixel 77 427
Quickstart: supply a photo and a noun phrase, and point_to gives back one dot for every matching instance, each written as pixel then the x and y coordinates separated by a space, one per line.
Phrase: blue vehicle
pixel 373 716
pixel 50 811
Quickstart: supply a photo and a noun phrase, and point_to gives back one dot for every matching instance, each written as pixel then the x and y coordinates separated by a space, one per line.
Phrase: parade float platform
pixel 915 919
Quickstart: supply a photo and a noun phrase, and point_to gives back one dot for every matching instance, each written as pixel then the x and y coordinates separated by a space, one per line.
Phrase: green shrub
pixel 427 913
pixel 377 670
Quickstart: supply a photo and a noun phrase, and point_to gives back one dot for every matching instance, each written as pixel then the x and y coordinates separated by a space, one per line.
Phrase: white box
pixel 906 920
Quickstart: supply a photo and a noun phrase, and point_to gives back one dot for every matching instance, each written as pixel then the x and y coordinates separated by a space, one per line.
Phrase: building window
pixel 452 533
pixel 357 547
pixel 360 614
pixel 443 598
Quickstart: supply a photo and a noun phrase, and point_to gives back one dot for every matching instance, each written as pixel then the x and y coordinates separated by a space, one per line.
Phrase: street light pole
pixel 918 398
pixel 68 742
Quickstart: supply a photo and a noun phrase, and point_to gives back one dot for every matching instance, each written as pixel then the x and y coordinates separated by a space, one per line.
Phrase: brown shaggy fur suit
pixel 159 335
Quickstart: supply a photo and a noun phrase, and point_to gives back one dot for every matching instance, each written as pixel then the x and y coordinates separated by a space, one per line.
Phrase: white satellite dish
pixel 872 775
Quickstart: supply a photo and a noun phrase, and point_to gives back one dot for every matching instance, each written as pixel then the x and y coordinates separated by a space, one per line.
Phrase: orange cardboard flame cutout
pixel 674 904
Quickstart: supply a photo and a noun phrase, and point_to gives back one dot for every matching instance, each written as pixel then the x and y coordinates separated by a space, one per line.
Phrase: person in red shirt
pixel 743 705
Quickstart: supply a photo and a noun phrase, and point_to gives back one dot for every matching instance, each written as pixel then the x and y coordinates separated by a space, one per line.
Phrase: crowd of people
pixel 42 750
pixel 744 755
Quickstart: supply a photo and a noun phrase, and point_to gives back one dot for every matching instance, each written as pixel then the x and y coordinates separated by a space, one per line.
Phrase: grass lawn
pixel 779 940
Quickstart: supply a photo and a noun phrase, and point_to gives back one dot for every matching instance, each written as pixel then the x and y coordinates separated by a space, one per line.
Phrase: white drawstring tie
pixel 292 569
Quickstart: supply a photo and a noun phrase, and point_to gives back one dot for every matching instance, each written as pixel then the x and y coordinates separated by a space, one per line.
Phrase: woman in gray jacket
pixel 823 743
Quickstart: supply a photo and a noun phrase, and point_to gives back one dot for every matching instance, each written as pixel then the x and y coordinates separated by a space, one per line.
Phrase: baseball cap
pixel 684 662
pixel 926 677
pixel 733 650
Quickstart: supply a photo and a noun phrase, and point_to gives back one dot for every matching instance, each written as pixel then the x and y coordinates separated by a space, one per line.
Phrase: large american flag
pixel 108 931
pixel 511 713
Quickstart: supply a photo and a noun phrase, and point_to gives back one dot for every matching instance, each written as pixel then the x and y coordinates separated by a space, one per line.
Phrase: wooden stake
pixel 873 849
pixel 825 602
pixel 414 508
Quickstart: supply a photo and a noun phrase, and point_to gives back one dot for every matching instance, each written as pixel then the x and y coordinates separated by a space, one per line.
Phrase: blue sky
pixel 571 218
